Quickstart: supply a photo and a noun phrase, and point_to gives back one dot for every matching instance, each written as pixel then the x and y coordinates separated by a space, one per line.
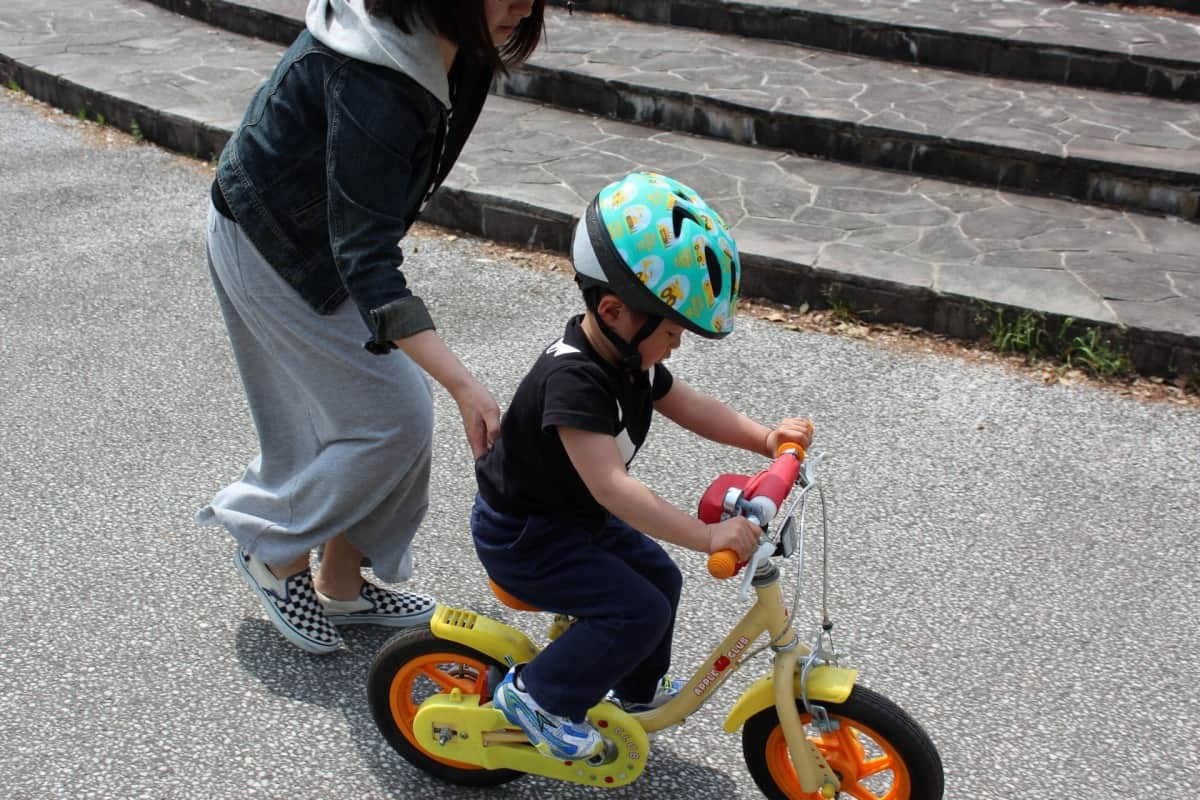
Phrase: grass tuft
pixel 1029 334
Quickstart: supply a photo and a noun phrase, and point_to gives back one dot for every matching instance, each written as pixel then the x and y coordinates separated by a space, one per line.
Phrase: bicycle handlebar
pixel 765 493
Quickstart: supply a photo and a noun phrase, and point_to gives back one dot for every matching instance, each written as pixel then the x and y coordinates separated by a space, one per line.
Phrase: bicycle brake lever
pixel 764 551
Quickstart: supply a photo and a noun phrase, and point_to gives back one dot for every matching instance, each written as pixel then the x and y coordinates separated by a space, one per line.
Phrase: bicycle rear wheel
pixel 878 752
pixel 409 668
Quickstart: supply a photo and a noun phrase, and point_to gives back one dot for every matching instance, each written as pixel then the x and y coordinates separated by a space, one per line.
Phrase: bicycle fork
pixel 789 683
pixel 812 770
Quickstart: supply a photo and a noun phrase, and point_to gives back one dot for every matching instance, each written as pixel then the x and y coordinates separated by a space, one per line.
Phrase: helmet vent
pixel 679 214
pixel 714 271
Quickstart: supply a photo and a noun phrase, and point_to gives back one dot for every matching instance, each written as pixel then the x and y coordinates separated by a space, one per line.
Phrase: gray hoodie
pixel 345 27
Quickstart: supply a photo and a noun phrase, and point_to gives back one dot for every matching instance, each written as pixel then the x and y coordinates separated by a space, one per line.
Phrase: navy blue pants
pixel 618 582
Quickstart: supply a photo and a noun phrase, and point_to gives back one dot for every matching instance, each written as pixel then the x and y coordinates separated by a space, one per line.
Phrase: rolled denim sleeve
pixel 400 319
pixel 379 151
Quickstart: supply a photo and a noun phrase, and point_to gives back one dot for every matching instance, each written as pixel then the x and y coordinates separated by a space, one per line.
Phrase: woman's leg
pixel 340 572
pixel 345 436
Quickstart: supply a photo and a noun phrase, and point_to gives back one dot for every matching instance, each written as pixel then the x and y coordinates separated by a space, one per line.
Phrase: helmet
pixel 656 245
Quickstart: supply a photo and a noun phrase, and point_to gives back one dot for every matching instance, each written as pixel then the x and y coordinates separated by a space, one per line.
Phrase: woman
pixel 336 155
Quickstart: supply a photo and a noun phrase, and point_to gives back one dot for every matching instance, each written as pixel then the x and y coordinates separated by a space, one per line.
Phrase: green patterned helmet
pixel 661 249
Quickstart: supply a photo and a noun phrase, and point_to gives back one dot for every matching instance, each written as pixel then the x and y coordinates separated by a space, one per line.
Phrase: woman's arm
pixel 480 414
pixel 597 459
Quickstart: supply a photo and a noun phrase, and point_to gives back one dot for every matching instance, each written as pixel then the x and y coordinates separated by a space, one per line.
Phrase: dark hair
pixel 464 22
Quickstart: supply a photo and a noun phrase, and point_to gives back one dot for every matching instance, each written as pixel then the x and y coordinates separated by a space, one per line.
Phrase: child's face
pixel 658 346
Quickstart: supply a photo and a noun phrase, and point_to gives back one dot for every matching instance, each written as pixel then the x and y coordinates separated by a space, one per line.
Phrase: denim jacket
pixel 329 167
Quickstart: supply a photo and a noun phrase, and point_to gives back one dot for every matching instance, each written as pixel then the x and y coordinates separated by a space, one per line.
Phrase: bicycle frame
pixel 781 688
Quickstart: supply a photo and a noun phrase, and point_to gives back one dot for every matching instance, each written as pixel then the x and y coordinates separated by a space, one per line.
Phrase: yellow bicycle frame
pixel 780 689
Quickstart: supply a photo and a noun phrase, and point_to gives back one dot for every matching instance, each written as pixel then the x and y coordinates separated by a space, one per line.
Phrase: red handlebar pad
pixel 712 504
pixel 776 481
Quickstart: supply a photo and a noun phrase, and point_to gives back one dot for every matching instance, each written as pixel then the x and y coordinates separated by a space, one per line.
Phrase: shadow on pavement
pixel 338 682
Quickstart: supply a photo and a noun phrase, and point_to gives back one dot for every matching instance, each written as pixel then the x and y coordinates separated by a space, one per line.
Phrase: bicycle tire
pixel 879 752
pixel 408 668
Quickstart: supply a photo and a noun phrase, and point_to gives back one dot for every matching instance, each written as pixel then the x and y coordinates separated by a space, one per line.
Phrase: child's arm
pixel 708 417
pixel 598 461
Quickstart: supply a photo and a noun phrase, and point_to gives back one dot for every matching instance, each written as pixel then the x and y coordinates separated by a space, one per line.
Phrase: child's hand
pixel 792 429
pixel 737 534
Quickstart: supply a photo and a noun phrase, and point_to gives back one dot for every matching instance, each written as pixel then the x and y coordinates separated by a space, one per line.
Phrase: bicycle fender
pixel 825 684
pixel 502 642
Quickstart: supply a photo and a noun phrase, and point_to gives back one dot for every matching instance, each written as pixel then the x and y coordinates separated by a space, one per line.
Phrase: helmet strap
pixel 631 358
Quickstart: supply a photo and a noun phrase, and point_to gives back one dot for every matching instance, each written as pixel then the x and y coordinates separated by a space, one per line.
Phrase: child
pixel 558 521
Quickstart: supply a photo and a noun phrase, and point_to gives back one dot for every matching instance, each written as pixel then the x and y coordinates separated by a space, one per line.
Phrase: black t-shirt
pixel 527 470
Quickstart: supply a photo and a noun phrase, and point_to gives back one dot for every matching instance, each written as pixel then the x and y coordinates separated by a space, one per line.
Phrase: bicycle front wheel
pixel 878 752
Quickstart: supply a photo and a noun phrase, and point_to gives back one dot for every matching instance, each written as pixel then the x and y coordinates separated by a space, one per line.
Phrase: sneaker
pixel 378 606
pixel 552 735
pixel 664 693
pixel 291 604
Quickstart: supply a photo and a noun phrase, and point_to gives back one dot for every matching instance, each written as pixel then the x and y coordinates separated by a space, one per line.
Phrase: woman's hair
pixel 464 22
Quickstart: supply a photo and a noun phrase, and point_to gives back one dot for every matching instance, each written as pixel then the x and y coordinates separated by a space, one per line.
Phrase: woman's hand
pixel 792 429
pixel 480 415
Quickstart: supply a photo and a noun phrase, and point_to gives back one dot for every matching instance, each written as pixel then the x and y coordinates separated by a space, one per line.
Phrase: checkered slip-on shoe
pixel 378 606
pixel 291 604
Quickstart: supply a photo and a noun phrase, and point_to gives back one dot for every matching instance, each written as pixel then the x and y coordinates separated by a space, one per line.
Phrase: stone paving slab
pixel 1127 150
pixel 1108 47
pixel 907 249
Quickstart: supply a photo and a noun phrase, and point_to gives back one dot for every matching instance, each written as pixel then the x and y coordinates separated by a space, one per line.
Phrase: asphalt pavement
pixel 1014 563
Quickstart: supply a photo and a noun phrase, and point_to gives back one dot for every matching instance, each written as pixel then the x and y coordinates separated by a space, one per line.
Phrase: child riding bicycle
pixel 558 522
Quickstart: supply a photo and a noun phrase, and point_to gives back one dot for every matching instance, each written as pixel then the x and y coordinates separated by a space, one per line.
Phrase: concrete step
pixel 1107 47
pixel 900 247
pixel 1129 151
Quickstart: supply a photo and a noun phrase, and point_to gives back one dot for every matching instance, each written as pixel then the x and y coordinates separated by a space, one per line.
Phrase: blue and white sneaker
pixel 664 693
pixel 552 735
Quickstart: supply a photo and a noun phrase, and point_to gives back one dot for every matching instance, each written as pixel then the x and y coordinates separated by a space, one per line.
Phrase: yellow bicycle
pixel 808 729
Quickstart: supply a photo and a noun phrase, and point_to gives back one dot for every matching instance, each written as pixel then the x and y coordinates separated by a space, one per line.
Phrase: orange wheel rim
pixel 866 763
pixel 445 671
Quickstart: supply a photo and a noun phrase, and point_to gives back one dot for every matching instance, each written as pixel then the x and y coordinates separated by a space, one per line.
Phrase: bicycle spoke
pixel 445 680
pixel 874 766
pixel 851 745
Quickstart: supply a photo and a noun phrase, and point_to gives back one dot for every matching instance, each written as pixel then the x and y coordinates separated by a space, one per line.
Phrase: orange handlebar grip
pixel 790 447
pixel 723 564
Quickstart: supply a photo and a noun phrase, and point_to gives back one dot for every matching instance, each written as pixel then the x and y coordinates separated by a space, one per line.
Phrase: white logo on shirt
pixel 561 348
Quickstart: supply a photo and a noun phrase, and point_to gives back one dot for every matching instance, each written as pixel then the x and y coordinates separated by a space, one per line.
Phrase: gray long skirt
pixel 345 436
